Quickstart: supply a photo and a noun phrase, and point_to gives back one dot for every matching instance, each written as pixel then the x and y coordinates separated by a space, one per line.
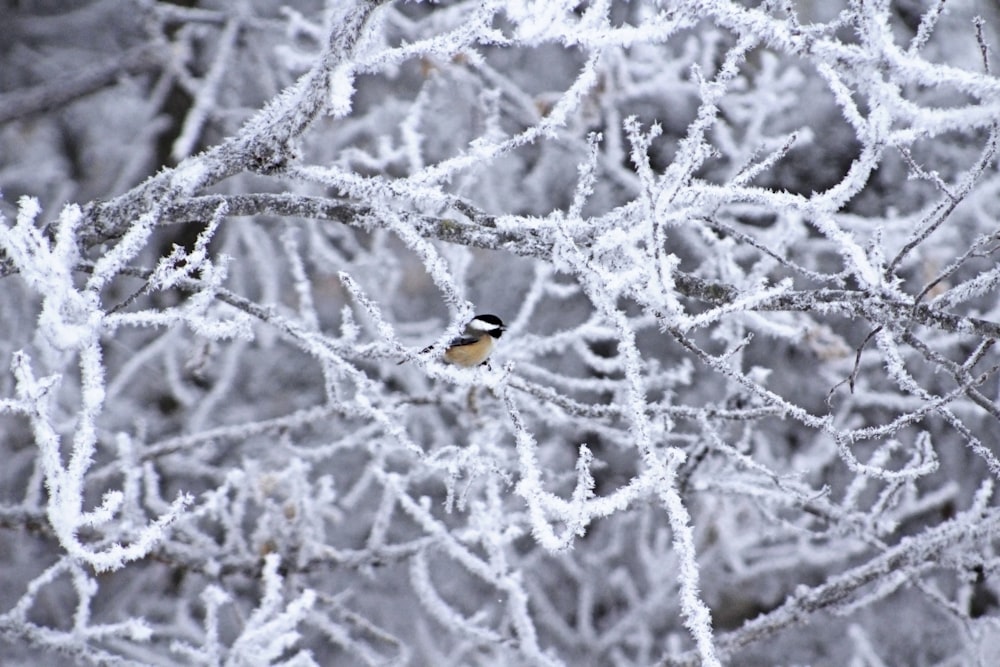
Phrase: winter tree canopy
pixel 746 410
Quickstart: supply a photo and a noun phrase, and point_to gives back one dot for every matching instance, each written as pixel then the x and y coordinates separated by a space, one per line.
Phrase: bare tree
pixel 746 405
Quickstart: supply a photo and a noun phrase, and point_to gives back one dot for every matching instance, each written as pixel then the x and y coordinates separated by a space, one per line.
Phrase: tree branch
pixel 262 145
pixel 65 89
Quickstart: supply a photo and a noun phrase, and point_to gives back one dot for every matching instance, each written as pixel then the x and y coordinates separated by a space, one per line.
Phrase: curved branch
pixel 261 146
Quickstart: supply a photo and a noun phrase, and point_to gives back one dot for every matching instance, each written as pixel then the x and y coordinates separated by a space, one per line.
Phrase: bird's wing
pixel 459 341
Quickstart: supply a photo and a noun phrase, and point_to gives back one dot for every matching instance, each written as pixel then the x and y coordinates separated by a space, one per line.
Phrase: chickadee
pixel 473 347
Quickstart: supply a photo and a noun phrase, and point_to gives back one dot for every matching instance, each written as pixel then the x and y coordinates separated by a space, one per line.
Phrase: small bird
pixel 473 347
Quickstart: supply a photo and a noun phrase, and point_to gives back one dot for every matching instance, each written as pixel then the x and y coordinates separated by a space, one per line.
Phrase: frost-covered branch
pixel 745 403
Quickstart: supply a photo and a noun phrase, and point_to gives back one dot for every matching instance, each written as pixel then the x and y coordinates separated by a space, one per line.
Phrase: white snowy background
pixel 746 411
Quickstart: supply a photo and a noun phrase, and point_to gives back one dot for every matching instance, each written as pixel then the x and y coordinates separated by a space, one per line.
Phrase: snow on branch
pixel 744 404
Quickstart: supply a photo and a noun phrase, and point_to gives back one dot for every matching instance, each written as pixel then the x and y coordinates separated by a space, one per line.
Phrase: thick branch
pixel 483 233
pixel 262 145
pixel 909 555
